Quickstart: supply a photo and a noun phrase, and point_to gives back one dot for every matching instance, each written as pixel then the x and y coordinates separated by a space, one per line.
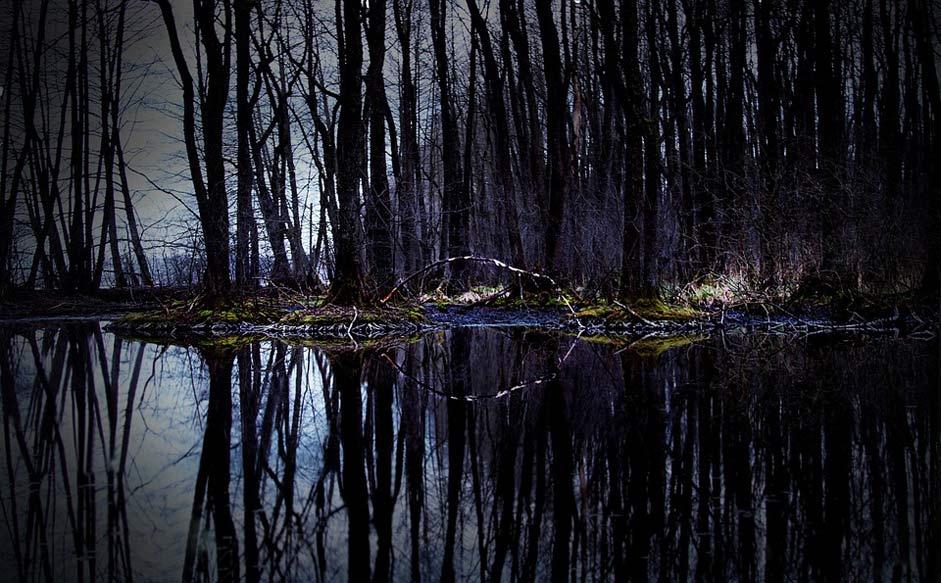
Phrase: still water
pixel 475 454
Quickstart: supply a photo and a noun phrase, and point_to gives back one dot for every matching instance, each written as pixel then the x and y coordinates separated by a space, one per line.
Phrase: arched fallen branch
pixel 485 260
pixel 470 259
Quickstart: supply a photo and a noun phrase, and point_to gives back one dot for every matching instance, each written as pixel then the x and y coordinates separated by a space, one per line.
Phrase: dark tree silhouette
pixel 629 147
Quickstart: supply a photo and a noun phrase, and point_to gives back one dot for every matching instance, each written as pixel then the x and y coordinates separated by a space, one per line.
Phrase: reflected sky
pixel 473 454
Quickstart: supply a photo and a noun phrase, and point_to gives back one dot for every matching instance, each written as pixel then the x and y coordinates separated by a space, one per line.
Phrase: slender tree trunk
pixel 109 233
pixel 701 197
pixel 211 197
pixel 768 138
pixel 9 190
pixel 379 202
pixel 688 216
pixel 456 201
pixel 270 205
pixel 407 186
pixel 501 135
pixel 890 143
pixel 78 274
pixel 245 279
pixel 133 230
pixel 636 129
pixel 733 170
pixel 216 222
pixel 559 157
pixel 830 140
pixel 652 166
pixel 920 13
pixel 530 143
pixel 346 288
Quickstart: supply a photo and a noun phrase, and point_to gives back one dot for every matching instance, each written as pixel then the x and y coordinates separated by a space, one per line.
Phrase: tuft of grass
pixel 652 309
pixel 333 315
pixel 529 300
pixel 252 311
pixel 713 291
pixel 657 309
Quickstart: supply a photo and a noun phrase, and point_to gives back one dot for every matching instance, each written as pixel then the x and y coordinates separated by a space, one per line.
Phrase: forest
pixel 625 147
pixel 459 290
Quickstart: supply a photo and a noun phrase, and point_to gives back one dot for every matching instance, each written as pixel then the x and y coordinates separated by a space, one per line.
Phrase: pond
pixel 497 454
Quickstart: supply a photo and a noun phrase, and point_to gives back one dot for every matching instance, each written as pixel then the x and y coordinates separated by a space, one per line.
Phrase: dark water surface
pixel 469 455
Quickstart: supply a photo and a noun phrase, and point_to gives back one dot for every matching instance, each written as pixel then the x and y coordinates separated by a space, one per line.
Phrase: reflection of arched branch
pixel 543 380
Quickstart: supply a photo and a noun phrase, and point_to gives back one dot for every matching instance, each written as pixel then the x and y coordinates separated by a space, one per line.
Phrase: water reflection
pixel 470 455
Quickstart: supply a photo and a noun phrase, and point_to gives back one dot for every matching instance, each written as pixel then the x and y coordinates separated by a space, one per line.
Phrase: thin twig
pixel 349 331
pixel 635 314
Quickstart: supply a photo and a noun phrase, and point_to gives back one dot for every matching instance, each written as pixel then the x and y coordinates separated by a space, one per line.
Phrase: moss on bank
pixel 256 314
pixel 332 315
pixel 641 310
pixel 269 316
pixel 183 313
pixel 310 317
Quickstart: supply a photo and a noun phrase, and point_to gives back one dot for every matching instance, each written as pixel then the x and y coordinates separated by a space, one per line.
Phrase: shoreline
pixel 171 314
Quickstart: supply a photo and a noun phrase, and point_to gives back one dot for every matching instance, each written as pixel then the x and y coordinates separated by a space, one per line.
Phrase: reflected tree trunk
pixel 381 384
pixel 216 446
pixel 458 376
pixel 563 500
pixel 347 375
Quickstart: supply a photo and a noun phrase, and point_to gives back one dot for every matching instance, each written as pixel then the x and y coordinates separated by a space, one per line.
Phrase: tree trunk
pixel 920 13
pixel 734 159
pixel 244 278
pixel 8 201
pixel 211 197
pixel 407 186
pixel 768 138
pixel 890 143
pixel 78 251
pixel 688 219
pixel 559 158
pixel 501 135
pixel 830 139
pixel 652 168
pixel 456 201
pixel 379 202
pixel 347 286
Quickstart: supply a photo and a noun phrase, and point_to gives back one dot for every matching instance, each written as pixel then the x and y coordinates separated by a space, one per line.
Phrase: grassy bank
pixel 708 304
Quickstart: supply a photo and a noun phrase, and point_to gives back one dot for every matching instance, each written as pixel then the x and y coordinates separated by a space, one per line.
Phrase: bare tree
pixel 209 188
pixel 347 286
